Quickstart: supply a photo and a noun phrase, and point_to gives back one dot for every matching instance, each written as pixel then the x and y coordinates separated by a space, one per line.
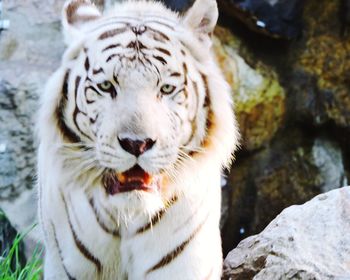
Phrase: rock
pixel 345 16
pixel 29 52
pixel 259 98
pixel 274 18
pixel 7 234
pixel 309 241
pixel 325 58
pixel 313 73
pixel 291 171
pixel 225 201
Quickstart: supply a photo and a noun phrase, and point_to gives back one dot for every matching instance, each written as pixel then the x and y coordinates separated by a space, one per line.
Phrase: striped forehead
pixel 130 40
pixel 118 25
pixel 133 20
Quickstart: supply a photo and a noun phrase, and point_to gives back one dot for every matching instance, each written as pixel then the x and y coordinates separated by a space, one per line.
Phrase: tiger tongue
pixel 135 174
pixel 133 179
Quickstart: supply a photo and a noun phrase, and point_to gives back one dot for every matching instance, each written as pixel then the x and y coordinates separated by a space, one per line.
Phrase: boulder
pixel 274 18
pixel 307 134
pixel 258 96
pixel 309 241
pixel 291 171
pixel 324 59
pixel 29 52
pixel 7 234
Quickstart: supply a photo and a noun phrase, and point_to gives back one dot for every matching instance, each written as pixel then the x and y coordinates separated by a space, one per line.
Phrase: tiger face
pixel 135 92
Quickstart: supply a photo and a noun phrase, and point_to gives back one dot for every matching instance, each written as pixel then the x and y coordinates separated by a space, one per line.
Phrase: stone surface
pixel 291 171
pixel 7 234
pixel 313 72
pixel 258 96
pixel 325 58
pixel 29 51
pixel 309 241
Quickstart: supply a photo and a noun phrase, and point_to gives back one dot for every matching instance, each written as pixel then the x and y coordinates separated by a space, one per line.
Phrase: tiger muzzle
pixel 134 179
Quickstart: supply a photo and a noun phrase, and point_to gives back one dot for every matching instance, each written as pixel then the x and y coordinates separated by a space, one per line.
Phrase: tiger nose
pixel 136 147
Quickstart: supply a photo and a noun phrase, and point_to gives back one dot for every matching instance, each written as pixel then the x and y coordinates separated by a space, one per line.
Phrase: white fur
pixel 63 179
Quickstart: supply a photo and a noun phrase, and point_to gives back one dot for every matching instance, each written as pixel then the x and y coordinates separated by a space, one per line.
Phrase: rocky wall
pixel 294 119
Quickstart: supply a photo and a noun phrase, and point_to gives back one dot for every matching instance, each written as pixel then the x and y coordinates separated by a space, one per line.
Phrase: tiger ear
pixel 75 14
pixel 202 18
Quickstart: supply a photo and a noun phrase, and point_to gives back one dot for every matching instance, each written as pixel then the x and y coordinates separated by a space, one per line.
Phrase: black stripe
pixel 87 64
pixel 158 216
pixel 67 133
pixel 93 89
pixel 207 103
pixel 115 233
pixel 76 109
pixel 82 248
pixel 185 69
pixel 110 57
pixel 97 71
pixel 177 251
pixel 60 252
pixel 164 51
pixel 65 85
pixel 115 77
pixel 93 121
pixel 112 33
pixel 207 93
pixel 161 59
pixel 111 47
pixel 160 36
pixel 175 74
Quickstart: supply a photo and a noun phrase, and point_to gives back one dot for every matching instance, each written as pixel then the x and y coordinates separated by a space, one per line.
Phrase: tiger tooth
pixel 121 178
pixel 148 179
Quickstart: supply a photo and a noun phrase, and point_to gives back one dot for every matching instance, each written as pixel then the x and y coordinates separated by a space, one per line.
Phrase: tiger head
pixel 141 94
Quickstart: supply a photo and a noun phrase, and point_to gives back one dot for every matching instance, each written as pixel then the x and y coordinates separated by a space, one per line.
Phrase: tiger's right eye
pixel 105 86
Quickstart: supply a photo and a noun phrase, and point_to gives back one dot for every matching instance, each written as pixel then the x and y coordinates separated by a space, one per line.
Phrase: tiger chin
pixel 135 127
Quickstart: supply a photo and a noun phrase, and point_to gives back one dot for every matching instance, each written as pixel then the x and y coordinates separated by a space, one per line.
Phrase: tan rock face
pixel 310 241
pixel 258 96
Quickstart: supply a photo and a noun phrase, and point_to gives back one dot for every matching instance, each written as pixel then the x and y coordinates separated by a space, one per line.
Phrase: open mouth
pixel 134 179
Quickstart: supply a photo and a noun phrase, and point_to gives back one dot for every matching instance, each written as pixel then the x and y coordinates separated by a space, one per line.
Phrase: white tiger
pixel 135 127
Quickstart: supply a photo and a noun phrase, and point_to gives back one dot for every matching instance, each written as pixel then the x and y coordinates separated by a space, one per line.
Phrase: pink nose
pixel 136 147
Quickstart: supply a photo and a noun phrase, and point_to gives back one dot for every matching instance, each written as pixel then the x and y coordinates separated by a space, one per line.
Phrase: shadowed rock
pixel 277 19
pixel 309 241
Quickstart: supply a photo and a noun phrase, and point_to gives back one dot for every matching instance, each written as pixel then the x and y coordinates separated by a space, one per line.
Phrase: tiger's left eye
pixel 167 89
pixel 105 86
